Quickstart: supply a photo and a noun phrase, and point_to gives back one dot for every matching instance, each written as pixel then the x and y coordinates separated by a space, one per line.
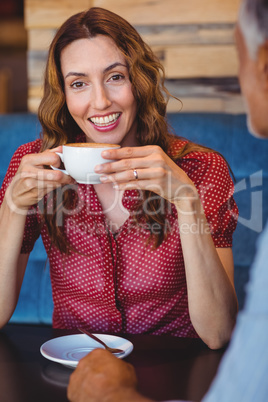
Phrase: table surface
pixel 167 367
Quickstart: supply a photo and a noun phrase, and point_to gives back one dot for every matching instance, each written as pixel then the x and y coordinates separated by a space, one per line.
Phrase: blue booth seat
pixel 228 134
pixel 35 304
pixel 247 157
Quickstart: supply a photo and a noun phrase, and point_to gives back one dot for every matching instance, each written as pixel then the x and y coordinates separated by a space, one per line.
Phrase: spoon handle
pixel 112 350
pixel 92 336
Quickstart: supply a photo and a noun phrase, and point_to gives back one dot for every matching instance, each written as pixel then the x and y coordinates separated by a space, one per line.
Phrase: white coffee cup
pixel 80 160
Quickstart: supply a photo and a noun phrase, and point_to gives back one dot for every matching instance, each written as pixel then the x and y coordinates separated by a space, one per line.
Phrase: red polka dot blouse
pixel 115 283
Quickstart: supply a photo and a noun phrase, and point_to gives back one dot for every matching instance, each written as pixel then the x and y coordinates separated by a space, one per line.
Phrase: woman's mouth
pixel 105 121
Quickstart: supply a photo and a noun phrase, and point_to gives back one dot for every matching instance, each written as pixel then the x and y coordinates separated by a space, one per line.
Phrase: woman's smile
pixel 105 123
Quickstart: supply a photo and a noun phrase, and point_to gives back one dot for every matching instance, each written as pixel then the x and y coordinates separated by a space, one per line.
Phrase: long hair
pixel 147 78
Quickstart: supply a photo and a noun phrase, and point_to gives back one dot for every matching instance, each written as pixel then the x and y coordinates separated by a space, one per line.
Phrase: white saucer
pixel 69 349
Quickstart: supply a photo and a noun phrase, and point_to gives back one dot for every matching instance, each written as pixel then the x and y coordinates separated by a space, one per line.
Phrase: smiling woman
pixel 99 97
pixel 148 250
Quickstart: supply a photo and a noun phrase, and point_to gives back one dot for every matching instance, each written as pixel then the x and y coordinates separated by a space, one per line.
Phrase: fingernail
pixel 98 168
pixel 115 186
pixel 105 154
pixel 103 178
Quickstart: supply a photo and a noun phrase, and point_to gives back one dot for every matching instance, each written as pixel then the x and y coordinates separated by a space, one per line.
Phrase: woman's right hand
pixel 33 181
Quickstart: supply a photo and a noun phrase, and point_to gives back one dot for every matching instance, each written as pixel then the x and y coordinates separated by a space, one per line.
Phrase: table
pixel 167 367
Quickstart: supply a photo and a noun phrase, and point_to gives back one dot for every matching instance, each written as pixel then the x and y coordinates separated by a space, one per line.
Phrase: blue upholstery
pixel 247 157
pixel 35 302
pixel 227 134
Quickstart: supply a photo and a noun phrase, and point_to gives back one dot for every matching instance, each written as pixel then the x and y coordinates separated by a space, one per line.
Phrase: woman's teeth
pixel 106 120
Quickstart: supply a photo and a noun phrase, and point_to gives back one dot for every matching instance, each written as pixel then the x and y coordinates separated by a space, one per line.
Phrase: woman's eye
pixel 116 77
pixel 77 84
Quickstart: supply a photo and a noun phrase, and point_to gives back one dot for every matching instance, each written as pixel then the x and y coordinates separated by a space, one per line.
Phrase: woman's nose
pixel 100 98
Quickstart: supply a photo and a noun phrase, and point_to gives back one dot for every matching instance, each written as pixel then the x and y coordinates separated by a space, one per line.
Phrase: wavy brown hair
pixel 147 78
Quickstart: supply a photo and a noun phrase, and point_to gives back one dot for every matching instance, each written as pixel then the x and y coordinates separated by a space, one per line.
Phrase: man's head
pixel 252 44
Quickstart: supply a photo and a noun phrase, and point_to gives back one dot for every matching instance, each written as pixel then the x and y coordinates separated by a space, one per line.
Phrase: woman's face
pixel 98 91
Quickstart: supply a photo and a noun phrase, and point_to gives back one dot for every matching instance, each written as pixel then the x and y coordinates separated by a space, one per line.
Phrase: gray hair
pixel 253 22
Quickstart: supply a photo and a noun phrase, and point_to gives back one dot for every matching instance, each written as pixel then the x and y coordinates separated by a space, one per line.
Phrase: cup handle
pixel 61 170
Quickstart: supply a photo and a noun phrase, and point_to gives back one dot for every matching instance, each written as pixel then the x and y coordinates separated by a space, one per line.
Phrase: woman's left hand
pixel 145 168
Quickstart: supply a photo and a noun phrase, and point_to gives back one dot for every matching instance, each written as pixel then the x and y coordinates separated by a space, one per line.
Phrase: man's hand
pixel 102 377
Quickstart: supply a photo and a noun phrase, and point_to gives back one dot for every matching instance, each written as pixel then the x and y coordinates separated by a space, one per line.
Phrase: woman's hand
pixel 33 181
pixel 155 171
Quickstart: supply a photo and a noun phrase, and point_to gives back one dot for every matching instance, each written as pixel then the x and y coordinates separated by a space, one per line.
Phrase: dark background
pixel 13 52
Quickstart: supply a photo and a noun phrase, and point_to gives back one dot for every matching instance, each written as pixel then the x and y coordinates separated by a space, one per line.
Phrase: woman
pixel 149 249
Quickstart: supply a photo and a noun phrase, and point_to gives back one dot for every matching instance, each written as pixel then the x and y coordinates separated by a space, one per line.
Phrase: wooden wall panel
pixel 225 104
pixel 40 39
pixel 193 39
pixel 51 13
pixel 163 35
pixel 144 12
pixel 200 61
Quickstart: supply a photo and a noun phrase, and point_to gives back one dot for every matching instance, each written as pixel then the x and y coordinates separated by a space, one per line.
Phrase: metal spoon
pixel 112 350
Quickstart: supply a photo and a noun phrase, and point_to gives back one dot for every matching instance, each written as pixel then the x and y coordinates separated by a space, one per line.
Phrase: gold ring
pixel 135 174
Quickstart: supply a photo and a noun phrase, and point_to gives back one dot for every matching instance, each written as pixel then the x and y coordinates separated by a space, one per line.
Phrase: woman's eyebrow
pixel 113 66
pixel 76 74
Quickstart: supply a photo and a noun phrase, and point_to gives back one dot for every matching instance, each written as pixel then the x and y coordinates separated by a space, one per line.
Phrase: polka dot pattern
pixel 114 283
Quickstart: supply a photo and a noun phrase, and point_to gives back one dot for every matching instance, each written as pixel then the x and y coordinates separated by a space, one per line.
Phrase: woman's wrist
pixel 15 209
pixel 187 200
pixel 11 203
